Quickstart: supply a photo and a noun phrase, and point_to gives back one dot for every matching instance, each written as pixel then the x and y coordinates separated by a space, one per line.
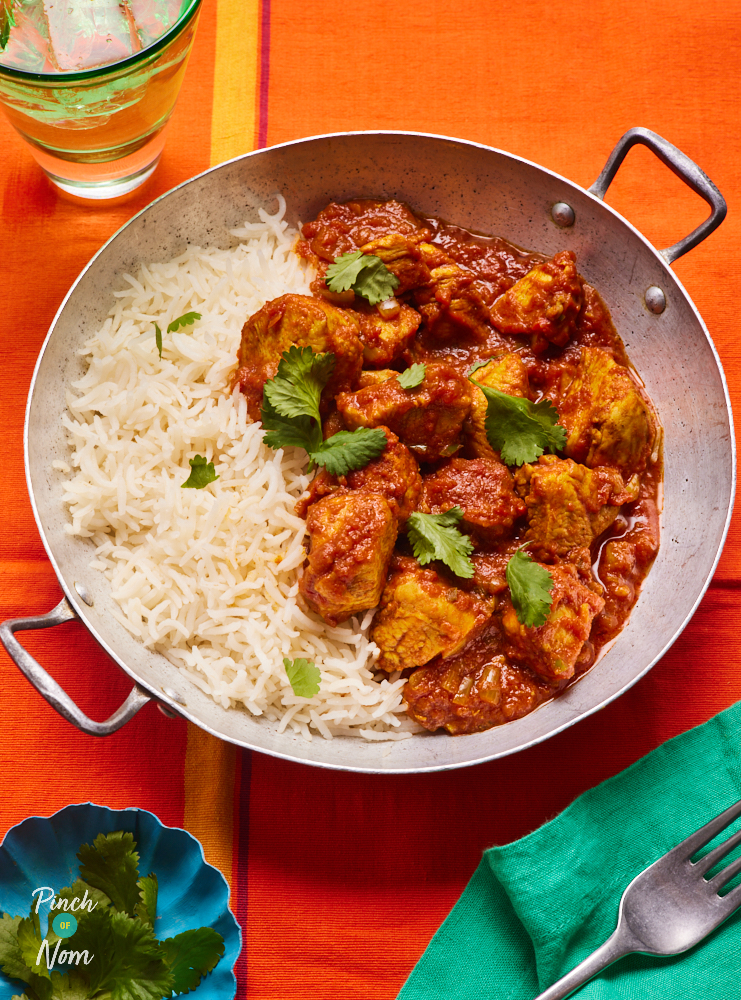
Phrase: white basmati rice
pixel 209 577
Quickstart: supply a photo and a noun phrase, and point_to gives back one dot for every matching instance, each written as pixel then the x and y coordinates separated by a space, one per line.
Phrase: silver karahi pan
pixel 478 188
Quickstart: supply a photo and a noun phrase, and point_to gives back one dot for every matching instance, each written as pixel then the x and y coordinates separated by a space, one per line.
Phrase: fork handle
pixel 618 944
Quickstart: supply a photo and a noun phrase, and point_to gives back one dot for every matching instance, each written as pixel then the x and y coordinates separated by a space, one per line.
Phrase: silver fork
pixel 669 907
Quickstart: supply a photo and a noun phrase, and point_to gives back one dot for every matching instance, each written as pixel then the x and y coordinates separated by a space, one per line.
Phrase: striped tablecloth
pixel 340 880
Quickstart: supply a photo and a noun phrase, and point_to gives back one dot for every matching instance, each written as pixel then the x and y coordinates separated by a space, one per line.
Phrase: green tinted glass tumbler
pixel 99 133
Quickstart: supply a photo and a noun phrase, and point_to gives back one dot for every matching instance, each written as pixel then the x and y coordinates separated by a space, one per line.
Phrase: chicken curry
pixel 473 318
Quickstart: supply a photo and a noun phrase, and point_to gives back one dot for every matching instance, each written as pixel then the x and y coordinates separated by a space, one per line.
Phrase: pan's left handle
pixel 680 164
pixel 48 687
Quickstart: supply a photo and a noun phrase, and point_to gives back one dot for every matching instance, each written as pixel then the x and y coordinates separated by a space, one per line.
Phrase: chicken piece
pixel 595 326
pixel 544 304
pixel 484 490
pixel 490 568
pixel 332 424
pixel 454 306
pixel 306 322
pixel 553 649
pixel 428 419
pixel 395 475
pixel 320 289
pixel 385 340
pixel 344 228
pixel 569 505
pixel 367 378
pixel 422 616
pixel 402 256
pixel 474 690
pixel 506 373
pixel 459 697
pixel 434 255
pixel 607 418
pixel 352 537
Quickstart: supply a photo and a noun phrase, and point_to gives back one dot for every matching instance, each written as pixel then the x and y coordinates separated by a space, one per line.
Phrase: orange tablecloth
pixel 340 880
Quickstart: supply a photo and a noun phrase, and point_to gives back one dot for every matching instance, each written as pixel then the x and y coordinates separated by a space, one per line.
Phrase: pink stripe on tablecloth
pixel 241 866
pixel 264 70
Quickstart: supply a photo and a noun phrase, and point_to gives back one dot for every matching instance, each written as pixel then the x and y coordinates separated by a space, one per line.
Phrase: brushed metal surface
pixel 479 188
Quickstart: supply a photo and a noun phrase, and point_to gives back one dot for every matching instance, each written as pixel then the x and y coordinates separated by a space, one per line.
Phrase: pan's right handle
pixel 680 164
pixel 48 687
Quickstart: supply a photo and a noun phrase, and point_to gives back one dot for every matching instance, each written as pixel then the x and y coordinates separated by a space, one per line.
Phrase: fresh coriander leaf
pixel 126 960
pixel 187 319
pixel 191 955
pixel 436 536
pixel 72 986
pixel 146 911
pixel 348 450
pixel 412 377
pixel 290 415
pixel 29 942
pixel 11 958
pixel 297 387
pixel 78 889
pixel 343 274
pixel 366 274
pixel 479 364
pixel 375 282
pixel 303 676
pixel 530 586
pixel 518 429
pixel 111 864
pixel 201 474
pixel 284 433
pixel 39 987
pixel 303 364
pixel 289 432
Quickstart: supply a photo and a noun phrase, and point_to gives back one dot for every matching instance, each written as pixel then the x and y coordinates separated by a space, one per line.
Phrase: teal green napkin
pixel 535 908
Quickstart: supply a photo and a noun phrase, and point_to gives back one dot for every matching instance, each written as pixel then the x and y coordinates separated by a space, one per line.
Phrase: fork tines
pixel 703 836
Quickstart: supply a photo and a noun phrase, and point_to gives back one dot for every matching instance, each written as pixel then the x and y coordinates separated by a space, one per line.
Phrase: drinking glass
pixel 99 132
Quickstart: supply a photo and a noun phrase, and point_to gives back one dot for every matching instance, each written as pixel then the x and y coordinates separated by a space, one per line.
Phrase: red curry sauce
pixel 458 281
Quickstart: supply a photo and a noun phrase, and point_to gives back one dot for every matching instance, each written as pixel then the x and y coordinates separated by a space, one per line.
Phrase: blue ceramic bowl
pixel 41 851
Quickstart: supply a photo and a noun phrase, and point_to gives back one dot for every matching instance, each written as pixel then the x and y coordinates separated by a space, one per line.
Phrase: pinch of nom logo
pixel 64 925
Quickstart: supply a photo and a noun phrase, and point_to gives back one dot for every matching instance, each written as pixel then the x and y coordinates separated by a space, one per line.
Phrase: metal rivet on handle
pixel 84 594
pixel 173 695
pixel 655 300
pixel 563 215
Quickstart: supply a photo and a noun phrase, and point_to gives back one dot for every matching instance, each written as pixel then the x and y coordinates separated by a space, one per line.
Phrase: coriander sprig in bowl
pixel 151 919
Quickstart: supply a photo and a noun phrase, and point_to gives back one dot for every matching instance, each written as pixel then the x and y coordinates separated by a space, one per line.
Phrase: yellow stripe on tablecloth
pixel 236 78
pixel 208 809
pixel 210 764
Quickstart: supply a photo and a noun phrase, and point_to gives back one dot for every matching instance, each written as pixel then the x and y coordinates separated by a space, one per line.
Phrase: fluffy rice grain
pixel 209 577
